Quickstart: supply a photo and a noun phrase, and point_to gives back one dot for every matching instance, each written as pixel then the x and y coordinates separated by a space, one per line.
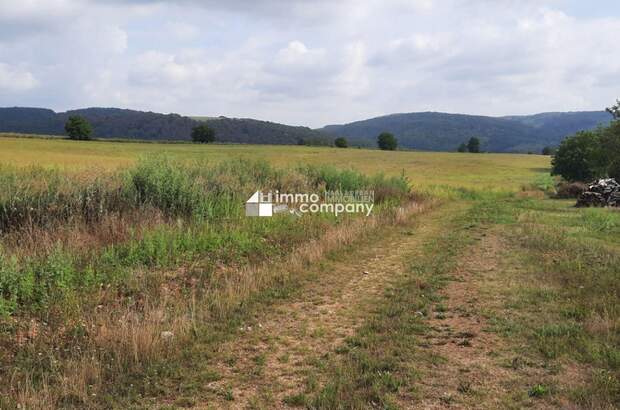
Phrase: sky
pixel 311 62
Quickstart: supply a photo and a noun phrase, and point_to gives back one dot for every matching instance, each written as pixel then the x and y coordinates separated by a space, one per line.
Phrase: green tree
pixel 203 133
pixel 387 141
pixel 78 128
pixel 341 142
pixel 579 158
pixel 462 148
pixel 590 154
pixel 613 171
pixel 473 145
pixel 547 151
pixel 614 110
pixel 610 142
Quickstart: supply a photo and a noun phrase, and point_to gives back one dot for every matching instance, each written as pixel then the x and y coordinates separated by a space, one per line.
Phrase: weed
pixel 464 387
pixel 538 390
pixel 228 395
pixel 296 400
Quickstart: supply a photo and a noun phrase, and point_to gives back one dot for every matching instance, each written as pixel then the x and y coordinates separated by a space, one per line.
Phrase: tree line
pixel 78 128
pixel 588 155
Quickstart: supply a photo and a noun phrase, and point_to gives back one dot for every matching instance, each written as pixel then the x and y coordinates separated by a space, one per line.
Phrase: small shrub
pixel 544 182
pixel 569 190
pixel 166 185
pixel 392 188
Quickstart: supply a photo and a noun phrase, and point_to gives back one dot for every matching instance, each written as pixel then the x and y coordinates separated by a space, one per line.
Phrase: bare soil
pixel 482 369
pixel 281 352
pixel 273 357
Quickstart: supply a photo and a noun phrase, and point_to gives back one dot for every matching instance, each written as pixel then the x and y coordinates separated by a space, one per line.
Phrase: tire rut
pixel 276 356
pixel 475 370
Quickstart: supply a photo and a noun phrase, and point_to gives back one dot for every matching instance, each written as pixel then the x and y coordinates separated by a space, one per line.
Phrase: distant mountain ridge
pixel 433 131
pixel 123 123
pixel 250 131
pixel 437 131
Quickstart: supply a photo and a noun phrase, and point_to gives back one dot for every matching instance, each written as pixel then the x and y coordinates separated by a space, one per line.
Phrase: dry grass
pixel 506 172
pixel 127 338
pixel 80 237
pixel 231 286
pixel 122 332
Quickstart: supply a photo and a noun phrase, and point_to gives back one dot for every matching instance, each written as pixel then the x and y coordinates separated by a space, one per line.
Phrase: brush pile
pixel 603 192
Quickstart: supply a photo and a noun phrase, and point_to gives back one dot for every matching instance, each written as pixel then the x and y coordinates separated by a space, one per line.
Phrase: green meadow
pixel 130 277
pixel 488 171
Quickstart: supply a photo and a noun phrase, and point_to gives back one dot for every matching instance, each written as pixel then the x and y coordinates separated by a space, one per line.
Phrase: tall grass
pixel 601 220
pixel 201 206
pixel 334 179
pixel 185 238
pixel 39 197
pixel 566 303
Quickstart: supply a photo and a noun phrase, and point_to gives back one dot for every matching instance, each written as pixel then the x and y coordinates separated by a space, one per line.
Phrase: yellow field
pixel 482 171
pixel 524 263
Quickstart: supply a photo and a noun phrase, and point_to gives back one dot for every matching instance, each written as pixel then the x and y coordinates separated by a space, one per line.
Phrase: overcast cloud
pixel 310 62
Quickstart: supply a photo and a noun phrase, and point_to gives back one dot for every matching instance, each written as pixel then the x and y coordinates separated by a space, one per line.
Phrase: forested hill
pixel 122 123
pixel 437 131
pixel 561 124
pixel 425 131
pixel 106 122
pixel 250 131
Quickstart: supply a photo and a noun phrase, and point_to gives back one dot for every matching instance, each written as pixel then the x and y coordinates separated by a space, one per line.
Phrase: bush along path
pixel 450 310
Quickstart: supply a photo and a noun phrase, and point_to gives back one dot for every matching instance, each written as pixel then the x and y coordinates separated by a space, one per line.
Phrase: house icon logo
pixel 259 205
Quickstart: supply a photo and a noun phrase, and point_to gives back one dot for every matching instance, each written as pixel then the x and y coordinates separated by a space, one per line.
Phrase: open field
pixel 489 171
pixel 468 288
pixel 309 205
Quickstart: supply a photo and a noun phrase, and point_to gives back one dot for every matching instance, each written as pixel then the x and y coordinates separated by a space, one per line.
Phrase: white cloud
pixel 312 62
pixel 181 30
pixel 297 59
pixel 186 68
pixel 110 38
pixel 13 79
pixel 29 10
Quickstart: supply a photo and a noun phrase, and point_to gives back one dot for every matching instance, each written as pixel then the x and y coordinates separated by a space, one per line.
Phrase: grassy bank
pixel 551 296
pixel 99 272
pixel 569 262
